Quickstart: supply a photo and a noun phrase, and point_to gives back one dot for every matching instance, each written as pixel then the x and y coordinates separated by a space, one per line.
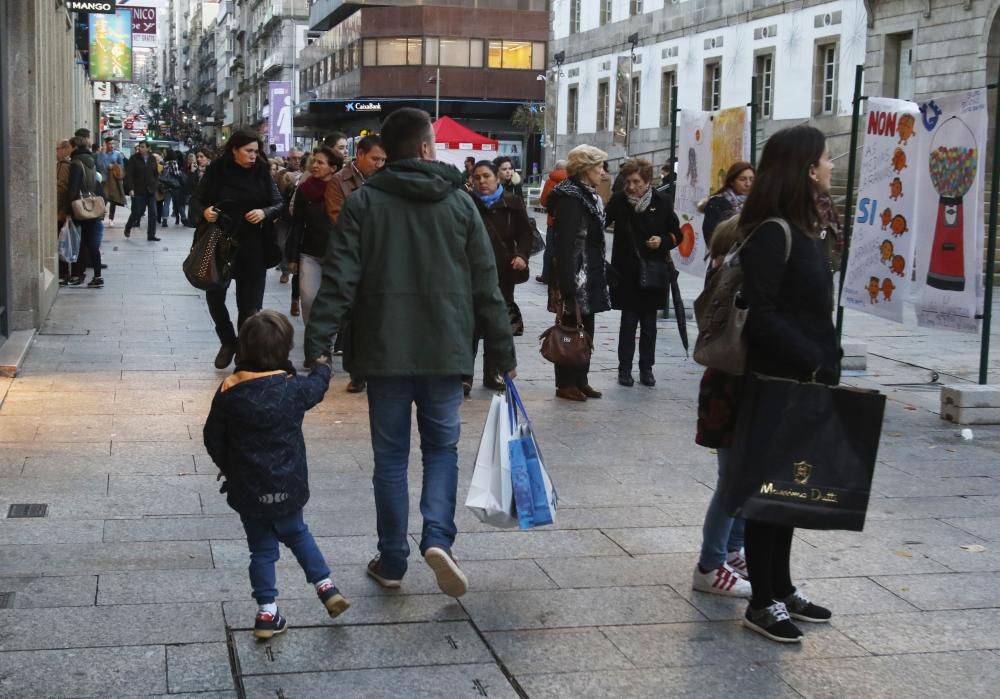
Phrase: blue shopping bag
pixel 534 495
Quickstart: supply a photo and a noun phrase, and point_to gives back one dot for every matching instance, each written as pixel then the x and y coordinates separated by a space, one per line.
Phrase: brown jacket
pixel 341 186
pixel 62 190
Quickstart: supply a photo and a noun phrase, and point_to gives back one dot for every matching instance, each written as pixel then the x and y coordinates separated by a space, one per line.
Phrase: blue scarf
pixel 490 199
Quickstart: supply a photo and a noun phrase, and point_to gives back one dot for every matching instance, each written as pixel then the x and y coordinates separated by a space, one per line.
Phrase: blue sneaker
pixel 267 625
pixel 331 598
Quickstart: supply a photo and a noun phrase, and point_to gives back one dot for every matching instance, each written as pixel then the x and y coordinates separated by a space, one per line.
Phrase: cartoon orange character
pixel 886 250
pixel 897 265
pixel 886 217
pixel 887 288
pixel 898 225
pixel 873 289
pixel 898 160
pixel 906 123
pixel 896 189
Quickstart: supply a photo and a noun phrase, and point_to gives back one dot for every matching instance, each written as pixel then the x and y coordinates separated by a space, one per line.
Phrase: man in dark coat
pixel 142 179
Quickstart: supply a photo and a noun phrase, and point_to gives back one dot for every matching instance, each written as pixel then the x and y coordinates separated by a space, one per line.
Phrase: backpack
pixel 721 311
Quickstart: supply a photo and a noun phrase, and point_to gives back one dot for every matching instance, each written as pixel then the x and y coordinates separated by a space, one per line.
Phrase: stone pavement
pixel 134 583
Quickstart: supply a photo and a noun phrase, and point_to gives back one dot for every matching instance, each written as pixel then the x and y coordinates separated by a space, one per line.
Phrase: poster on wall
pixel 880 260
pixel 279 129
pixel 707 144
pixel 143 27
pixel 949 210
pixel 111 46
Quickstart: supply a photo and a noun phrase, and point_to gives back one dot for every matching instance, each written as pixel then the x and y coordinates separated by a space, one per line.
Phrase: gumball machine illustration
pixel 954 160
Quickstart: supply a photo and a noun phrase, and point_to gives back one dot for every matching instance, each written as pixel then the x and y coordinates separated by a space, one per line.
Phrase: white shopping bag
pixel 491 493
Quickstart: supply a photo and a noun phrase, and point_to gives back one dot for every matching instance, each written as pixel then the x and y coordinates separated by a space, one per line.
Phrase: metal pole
pixel 674 111
pixel 555 120
pixel 852 157
pixel 753 120
pixel 437 93
pixel 991 250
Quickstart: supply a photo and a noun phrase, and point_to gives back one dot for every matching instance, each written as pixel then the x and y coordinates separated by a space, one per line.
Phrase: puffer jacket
pixel 254 435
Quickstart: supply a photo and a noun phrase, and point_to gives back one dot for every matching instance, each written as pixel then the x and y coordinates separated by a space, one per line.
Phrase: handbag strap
pixel 562 314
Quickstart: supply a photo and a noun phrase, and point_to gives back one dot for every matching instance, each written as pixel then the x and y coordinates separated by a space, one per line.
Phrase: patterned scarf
pixel 736 200
pixel 640 204
pixel 585 193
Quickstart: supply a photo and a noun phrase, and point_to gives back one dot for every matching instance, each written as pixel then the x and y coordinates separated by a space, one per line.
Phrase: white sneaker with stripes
pixel 738 562
pixel 721 581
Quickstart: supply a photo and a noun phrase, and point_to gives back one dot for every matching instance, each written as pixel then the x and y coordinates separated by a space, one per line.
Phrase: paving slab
pixel 538 609
pixel 198 667
pixel 66 591
pixel 60 559
pixel 644 540
pixel 969 674
pixel 468 681
pixel 923 632
pixel 556 650
pixel 79 672
pixel 536 543
pixel 338 550
pixel 92 627
pixel 305 610
pixel 943 591
pixel 986 528
pixel 49 531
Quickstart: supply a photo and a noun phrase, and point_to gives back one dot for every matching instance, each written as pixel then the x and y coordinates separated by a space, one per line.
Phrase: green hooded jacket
pixel 410 263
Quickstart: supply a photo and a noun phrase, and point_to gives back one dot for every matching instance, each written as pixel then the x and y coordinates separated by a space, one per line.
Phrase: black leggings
pixel 569 376
pixel 769 550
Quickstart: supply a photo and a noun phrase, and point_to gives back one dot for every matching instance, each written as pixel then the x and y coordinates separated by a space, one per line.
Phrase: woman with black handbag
pixel 239 185
pixel 646 229
pixel 510 231
pixel 579 287
pixel 789 334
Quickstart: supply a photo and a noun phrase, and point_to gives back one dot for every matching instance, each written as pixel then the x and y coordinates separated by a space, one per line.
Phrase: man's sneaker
pixel 331 598
pixel 96 283
pixel 721 581
pixel 738 562
pixel 267 625
pixel 799 607
pixel 772 622
pixel 450 577
pixel 374 572
pixel 75 280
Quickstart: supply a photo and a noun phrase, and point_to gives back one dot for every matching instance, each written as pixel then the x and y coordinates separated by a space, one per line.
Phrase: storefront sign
pixel 102 91
pixel 102 7
pixel 111 46
pixel 279 128
pixel 143 26
pixel 363 107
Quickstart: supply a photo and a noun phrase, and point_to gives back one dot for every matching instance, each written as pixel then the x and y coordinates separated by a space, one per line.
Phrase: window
pixel 634 8
pixel 668 81
pixel 606 6
pixel 387 52
pixel 826 79
pixel 634 97
pixel 574 16
pixel 454 52
pixel 764 72
pixel 712 89
pixel 510 54
pixel 370 52
pixel 603 95
pixel 538 55
pixel 431 51
pixel 898 66
pixel 571 108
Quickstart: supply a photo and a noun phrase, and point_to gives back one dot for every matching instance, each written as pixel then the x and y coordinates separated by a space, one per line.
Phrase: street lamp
pixel 559 57
pixel 632 39
pixel 437 92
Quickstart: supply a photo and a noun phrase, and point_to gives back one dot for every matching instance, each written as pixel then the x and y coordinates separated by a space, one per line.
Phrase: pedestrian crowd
pixel 405 265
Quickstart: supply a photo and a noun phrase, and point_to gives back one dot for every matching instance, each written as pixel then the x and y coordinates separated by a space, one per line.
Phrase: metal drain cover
pixel 27 510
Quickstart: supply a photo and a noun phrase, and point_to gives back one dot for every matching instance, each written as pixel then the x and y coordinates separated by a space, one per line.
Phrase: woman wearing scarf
pixel 311 227
pixel 728 201
pixel 645 227
pixel 507 224
pixel 580 279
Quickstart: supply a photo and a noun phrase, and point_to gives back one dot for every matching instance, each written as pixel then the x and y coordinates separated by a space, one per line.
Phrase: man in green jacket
pixel 411 264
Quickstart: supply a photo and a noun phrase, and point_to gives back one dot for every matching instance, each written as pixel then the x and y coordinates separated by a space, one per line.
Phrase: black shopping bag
pixel 803 454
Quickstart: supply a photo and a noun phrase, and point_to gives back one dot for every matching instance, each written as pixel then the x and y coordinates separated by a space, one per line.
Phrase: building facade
pixel 477 62
pixel 801 53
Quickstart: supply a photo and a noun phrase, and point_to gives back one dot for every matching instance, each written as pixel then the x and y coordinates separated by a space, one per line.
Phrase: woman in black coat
pixel 83 183
pixel 580 281
pixel 507 224
pixel 238 188
pixel 789 334
pixel 646 227
pixel 728 201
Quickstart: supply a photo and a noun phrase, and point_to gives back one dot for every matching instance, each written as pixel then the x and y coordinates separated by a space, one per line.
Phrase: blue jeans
pixel 720 533
pixel 263 536
pixel 390 400
pixel 143 203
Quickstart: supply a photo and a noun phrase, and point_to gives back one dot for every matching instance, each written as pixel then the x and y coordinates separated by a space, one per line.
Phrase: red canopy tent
pixel 455 143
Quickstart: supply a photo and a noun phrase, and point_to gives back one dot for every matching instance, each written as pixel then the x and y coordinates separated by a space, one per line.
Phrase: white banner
pixel 951 167
pixel 879 264
pixel 708 143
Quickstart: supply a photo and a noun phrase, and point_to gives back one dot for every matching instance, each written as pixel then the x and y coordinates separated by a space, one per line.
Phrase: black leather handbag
pixel 209 263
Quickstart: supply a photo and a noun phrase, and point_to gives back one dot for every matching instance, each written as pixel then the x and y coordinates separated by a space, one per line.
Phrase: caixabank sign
pixel 94 7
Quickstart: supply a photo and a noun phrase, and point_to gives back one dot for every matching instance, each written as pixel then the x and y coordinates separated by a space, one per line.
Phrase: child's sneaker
pixel 738 562
pixel 799 607
pixel 721 581
pixel 331 598
pixel 267 625
pixel 772 622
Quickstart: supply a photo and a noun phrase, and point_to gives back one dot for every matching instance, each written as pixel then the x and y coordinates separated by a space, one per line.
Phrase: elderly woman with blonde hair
pixel 580 281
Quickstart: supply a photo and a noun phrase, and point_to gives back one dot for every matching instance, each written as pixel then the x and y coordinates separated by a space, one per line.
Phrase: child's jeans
pixel 263 536
pixel 720 533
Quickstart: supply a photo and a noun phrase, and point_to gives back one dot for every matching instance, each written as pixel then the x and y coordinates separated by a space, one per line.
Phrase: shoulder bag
pixel 565 345
pixel 655 272
pixel 89 206
pixel 209 263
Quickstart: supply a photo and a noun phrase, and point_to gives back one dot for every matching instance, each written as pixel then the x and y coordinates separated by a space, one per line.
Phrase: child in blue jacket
pixel 254 435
